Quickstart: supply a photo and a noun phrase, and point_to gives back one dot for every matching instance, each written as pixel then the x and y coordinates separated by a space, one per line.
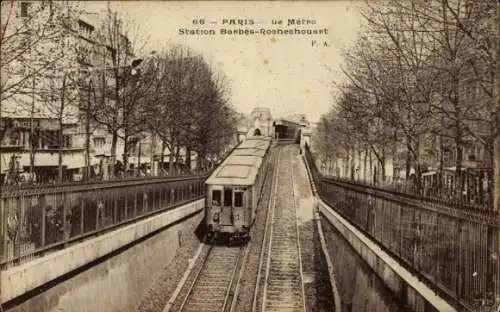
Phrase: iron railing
pixel 454 250
pixel 23 181
pixel 35 221
pixel 473 196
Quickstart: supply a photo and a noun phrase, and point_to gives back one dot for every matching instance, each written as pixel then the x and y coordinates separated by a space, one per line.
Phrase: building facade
pixel 46 116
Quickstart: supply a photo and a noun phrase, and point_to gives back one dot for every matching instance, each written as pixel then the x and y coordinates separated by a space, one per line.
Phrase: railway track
pixel 280 270
pixel 213 283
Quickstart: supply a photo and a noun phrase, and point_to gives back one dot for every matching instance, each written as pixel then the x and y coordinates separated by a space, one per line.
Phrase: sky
pixel 286 73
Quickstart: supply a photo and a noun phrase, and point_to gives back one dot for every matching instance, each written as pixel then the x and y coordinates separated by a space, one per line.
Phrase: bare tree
pixel 421 71
pixel 26 29
pixel 189 108
pixel 59 88
pixel 26 35
pixel 480 24
pixel 121 112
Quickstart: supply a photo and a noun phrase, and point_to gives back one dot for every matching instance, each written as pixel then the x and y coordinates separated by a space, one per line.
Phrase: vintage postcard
pixel 162 156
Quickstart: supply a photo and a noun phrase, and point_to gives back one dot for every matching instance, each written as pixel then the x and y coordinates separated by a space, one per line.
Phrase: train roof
pixel 242 165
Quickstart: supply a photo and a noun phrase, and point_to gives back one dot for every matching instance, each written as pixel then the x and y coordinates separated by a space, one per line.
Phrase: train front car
pixel 234 188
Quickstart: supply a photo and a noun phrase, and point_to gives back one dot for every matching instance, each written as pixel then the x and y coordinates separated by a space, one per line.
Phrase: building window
pixel 25 9
pixel 238 199
pixel 67 141
pixel 216 197
pixel 132 150
pixel 50 139
pixel 99 142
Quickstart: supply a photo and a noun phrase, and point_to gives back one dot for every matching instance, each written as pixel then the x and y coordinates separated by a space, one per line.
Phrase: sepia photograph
pixel 250 156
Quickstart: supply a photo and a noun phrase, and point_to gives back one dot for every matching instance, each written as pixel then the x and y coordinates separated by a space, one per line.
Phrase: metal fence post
pixel 125 208
pixel 492 288
pixel 459 278
pixel 135 202
pixel 82 214
pixel 3 231
pixel 44 222
pixel 2 242
pixel 115 197
pixel 437 251
pixel 65 210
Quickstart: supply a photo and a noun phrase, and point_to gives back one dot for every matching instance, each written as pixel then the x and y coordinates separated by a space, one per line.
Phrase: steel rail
pixel 267 228
pixel 202 266
pixel 240 275
pixel 268 263
pixel 273 175
pixel 234 278
pixel 298 240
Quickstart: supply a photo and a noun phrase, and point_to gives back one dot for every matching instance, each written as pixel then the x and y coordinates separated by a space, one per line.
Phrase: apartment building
pixel 37 126
pixel 34 128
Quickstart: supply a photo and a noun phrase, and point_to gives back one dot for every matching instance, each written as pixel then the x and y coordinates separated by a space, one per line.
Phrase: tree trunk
pixel 458 162
pixel 60 152
pixel 353 164
pixel 87 142
pixel 381 162
pixel 347 163
pixel 188 158
pixel 171 156
pixel 496 170
pixel 371 166
pixel 171 162
pixel 32 132
pixel 125 151
pixel 358 172
pixel 198 162
pixel 394 153
pixel 441 166
pixel 382 165
pixel 177 156
pixel 496 144
pixel 60 134
pixel 162 157
pixel 139 159
pixel 408 158
pixel 364 165
pixel 114 140
pixel 418 168
pixel 152 155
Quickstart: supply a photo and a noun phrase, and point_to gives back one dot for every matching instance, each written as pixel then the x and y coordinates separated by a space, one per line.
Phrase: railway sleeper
pixel 284 309
pixel 284 292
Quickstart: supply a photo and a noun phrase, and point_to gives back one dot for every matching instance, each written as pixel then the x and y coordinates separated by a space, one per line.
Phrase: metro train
pixel 234 188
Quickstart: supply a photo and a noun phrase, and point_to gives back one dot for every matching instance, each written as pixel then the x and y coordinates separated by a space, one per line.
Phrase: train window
pixel 238 199
pixel 216 197
pixel 228 197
